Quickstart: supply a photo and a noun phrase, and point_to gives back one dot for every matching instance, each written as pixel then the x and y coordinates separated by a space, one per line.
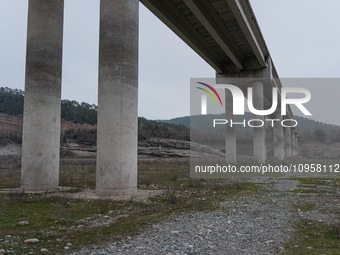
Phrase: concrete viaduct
pixel 224 33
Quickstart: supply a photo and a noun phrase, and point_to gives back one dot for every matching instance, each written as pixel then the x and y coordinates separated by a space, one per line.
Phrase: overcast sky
pixel 302 36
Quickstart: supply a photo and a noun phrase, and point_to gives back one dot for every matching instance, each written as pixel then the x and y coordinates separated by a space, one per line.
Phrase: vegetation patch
pixel 306 207
pixel 303 191
pixel 313 237
pixel 307 181
pixel 58 221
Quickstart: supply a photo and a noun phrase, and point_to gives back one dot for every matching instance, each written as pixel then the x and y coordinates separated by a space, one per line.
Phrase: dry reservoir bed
pixel 191 216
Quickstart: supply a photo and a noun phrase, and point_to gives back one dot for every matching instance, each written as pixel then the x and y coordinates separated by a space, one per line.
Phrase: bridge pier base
pixel 288 143
pixel 294 143
pixel 117 139
pixel 230 130
pixel 230 139
pixel 292 135
pixel 42 106
pixel 259 133
pixel 278 138
pixel 284 142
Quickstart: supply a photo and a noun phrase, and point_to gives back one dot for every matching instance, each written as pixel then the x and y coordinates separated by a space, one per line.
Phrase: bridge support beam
pixel 117 98
pixel 294 142
pixel 288 143
pixel 296 145
pixel 275 141
pixel 42 106
pixel 259 133
pixel 284 142
pixel 292 134
pixel 278 138
pixel 230 131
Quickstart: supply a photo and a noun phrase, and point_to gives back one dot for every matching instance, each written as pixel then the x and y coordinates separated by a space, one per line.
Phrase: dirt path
pixel 249 223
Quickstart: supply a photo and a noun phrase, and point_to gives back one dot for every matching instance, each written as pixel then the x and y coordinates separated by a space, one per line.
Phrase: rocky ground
pixel 253 222
pixel 150 148
pixel 169 148
pixel 250 223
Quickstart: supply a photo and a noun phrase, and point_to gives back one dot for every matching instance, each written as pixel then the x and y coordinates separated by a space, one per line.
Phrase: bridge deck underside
pixel 213 30
pixel 224 33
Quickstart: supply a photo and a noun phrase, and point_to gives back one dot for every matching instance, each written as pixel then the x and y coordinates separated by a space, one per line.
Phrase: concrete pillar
pixel 117 98
pixel 288 142
pixel 278 138
pixel 296 145
pixel 259 133
pixel 275 140
pixel 284 142
pixel 292 134
pixel 230 139
pixel 41 127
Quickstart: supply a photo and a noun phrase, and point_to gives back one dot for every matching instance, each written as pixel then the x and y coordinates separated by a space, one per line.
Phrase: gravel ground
pixel 248 223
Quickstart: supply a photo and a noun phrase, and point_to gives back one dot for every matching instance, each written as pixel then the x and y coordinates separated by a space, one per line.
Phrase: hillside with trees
pixel 310 130
pixel 204 122
pixel 12 103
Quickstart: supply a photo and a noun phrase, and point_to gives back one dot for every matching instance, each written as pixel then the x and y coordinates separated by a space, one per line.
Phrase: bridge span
pixel 224 33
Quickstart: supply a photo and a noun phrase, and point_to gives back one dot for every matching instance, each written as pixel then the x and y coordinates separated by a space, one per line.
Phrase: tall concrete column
pixel 278 139
pixel 284 141
pixel 41 127
pixel 259 133
pixel 275 141
pixel 296 145
pixel 230 138
pixel 292 134
pixel 288 146
pixel 117 98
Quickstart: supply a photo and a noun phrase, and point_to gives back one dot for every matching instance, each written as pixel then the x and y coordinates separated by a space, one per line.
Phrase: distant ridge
pixel 204 122
pixel 12 100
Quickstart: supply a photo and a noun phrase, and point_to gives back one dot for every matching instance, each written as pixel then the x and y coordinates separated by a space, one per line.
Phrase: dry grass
pixel 55 220
pixel 319 232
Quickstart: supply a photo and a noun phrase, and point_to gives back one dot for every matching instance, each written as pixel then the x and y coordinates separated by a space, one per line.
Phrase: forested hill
pixel 12 103
pixel 203 122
